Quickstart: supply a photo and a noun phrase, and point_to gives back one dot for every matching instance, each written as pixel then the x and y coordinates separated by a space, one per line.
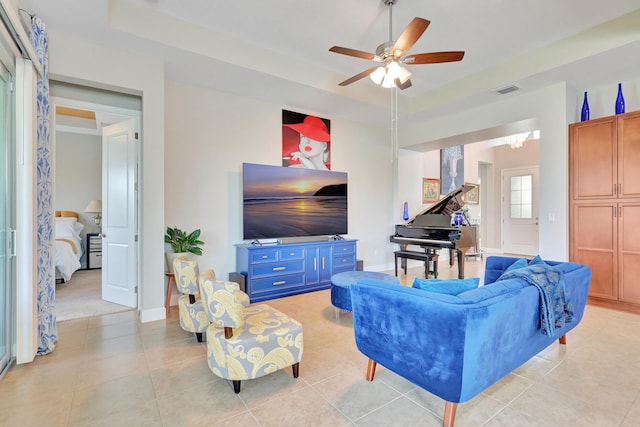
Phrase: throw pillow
pixel 519 263
pixel 449 287
pixel 537 260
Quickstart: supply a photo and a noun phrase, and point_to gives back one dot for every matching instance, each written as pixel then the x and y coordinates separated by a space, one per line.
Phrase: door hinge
pixel 12 86
pixel 135 290
pixel 136 135
pixel 136 238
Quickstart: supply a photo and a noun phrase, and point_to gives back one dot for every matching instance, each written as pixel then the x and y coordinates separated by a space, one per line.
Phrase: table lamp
pixel 95 206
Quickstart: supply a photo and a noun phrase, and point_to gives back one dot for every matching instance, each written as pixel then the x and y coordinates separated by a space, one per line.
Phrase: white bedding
pixel 67 261
pixel 68 237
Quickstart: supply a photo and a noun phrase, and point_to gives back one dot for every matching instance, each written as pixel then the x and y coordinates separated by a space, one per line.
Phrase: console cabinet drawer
pixel 345 260
pixel 278 283
pixel 264 256
pixel 278 268
pixel 344 249
pixel 289 269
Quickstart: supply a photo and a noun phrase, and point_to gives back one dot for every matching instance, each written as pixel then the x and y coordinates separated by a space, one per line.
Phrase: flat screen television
pixel 280 202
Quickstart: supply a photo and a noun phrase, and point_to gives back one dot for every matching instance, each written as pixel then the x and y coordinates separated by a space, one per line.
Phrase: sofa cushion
pixel 449 287
pixel 486 294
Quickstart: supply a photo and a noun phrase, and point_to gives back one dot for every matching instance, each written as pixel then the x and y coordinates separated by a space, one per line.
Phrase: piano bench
pixel 427 257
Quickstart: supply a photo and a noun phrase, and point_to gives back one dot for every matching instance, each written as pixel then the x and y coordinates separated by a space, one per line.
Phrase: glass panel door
pixel 6 203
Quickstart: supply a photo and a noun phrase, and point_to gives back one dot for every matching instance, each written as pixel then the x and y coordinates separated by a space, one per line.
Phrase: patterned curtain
pixel 47 328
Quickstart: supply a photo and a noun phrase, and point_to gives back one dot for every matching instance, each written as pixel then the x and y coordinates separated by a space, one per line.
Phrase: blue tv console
pixel 281 270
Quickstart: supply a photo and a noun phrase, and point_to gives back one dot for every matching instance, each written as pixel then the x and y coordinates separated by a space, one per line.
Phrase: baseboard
pixel 153 314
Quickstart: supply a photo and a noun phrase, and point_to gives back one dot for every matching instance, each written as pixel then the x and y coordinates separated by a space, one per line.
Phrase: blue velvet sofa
pixel 457 346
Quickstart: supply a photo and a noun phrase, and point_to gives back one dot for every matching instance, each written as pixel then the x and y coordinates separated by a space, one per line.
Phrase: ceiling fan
pixel 393 56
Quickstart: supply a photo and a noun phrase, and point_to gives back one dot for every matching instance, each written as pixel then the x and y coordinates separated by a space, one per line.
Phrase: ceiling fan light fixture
pixel 388 82
pixel 378 75
pixel 404 75
pixel 393 70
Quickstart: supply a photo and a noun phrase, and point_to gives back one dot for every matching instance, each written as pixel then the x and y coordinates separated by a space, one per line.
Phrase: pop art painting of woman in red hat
pixel 305 141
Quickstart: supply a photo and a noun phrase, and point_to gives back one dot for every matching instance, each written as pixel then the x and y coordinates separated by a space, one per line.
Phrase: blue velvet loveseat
pixel 457 346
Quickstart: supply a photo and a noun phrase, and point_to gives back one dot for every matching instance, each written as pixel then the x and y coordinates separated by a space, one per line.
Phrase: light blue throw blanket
pixel 555 303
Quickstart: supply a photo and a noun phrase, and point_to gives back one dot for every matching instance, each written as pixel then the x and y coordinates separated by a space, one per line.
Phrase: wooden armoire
pixel 604 201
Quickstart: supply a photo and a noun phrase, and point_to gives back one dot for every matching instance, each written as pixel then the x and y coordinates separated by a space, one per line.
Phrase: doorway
pixel 79 123
pixel 520 218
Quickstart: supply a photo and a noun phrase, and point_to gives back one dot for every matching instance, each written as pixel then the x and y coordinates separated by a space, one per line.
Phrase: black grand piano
pixel 431 229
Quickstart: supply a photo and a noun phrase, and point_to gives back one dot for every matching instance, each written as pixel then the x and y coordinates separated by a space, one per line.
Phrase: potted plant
pixel 182 243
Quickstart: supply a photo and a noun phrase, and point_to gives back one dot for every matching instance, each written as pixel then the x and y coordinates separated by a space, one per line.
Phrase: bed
pixel 69 248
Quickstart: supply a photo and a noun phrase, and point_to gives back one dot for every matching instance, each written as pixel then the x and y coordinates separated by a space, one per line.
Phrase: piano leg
pixel 434 261
pixel 461 253
pixel 396 263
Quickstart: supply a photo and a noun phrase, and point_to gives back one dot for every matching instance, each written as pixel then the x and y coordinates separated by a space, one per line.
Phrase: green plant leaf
pixel 180 241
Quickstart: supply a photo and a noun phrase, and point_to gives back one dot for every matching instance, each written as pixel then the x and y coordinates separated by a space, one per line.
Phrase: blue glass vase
pixel 405 211
pixel 584 116
pixel 458 218
pixel 620 100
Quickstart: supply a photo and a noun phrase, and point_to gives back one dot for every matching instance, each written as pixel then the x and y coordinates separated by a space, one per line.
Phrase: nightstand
pixel 94 251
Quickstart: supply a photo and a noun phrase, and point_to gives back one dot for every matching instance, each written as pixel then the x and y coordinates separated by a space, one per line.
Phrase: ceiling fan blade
pixel 403 86
pixel 409 36
pixel 433 57
pixel 352 52
pixel 358 76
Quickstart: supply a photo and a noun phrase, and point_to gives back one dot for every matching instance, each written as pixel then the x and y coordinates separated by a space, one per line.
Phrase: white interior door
pixel 119 213
pixel 520 216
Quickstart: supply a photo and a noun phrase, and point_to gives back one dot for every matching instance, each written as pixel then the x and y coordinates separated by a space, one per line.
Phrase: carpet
pixel 82 297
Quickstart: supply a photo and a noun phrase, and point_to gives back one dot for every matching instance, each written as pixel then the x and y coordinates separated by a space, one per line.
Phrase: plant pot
pixel 170 256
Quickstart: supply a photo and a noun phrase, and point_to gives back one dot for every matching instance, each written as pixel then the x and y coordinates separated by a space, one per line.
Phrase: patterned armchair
pixel 192 315
pixel 247 341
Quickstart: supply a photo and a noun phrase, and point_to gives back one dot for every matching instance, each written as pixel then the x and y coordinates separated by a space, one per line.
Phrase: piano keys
pixel 431 229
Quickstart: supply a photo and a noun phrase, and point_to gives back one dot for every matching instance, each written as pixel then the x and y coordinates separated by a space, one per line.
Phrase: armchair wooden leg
pixel 562 339
pixel 199 336
pixel 296 369
pixel 449 414
pixel 371 369
pixel 236 386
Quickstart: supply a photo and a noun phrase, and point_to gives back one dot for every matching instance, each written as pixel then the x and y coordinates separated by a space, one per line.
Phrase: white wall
pixel 76 61
pixel 210 134
pixel 602 99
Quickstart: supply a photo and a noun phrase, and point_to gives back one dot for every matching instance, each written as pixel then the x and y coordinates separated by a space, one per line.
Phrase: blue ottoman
pixel 340 296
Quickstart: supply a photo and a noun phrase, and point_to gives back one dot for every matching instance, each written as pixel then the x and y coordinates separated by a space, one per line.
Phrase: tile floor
pixel 112 370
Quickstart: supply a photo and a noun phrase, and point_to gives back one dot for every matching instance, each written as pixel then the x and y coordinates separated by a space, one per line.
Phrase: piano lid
pixel 448 204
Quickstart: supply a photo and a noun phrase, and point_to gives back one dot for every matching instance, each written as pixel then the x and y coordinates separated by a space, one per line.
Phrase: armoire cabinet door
pixel 629 252
pixel 629 155
pixel 593 241
pixel 593 161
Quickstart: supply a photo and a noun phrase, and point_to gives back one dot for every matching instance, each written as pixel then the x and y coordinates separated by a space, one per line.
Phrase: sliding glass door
pixel 6 216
